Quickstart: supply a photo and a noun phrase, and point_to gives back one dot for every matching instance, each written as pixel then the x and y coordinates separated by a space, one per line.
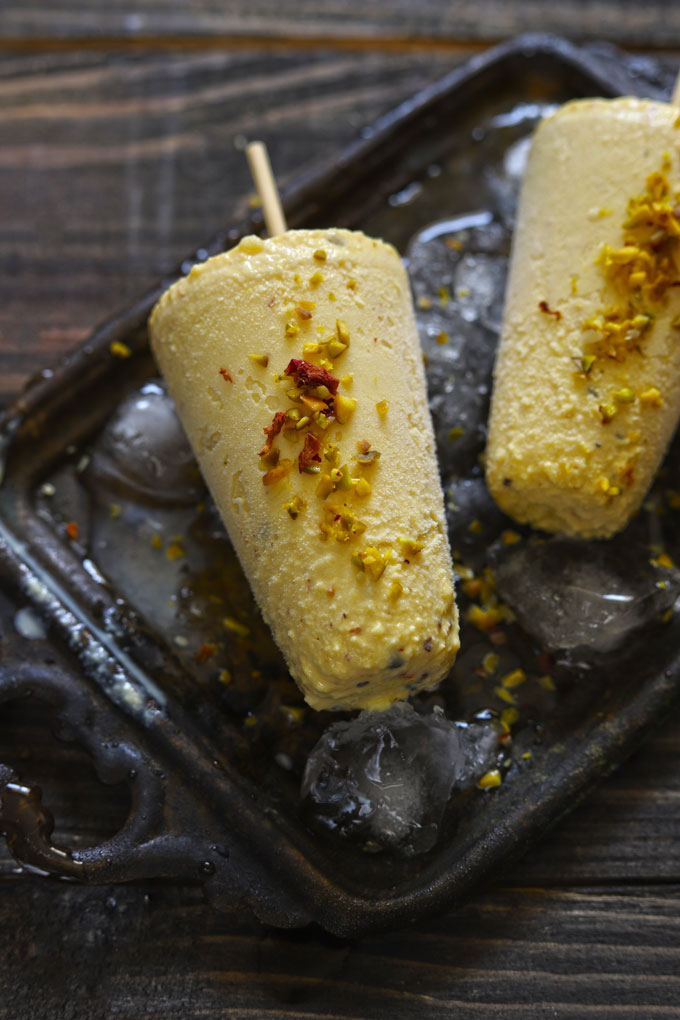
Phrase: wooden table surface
pixel 122 126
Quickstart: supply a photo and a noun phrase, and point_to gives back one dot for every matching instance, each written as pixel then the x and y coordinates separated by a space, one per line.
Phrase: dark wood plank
pixel 114 167
pixel 656 23
pixel 152 952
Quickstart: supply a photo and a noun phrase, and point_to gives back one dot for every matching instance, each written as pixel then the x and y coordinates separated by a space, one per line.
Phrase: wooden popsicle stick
pixel 260 168
pixel 675 98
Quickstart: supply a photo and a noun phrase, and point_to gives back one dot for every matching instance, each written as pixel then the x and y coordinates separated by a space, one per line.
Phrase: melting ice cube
pixel 143 451
pixel 384 778
pixel 583 598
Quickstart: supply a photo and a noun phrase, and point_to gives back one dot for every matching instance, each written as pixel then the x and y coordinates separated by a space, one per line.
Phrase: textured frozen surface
pixel 384 778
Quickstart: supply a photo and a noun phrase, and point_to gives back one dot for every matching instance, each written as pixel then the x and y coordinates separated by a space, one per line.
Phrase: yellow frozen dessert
pixel 296 370
pixel 587 381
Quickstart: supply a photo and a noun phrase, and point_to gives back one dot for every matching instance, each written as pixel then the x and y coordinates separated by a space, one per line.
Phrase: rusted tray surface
pixel 212 758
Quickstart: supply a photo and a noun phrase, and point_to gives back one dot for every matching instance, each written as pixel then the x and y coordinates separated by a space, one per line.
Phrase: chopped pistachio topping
pixel 324 486
pixel 374 562
pixel 276 474
pixel 270 458
pixel 365 455
pixel 547 683
pixel 624 396
pixel 344 407
pixel 362 487
pixel 509 716
pixel 641 271
pixel 156 541
pixel 514 678
pixel 503 694
pixel 119 350
pixel 396 591
pixel 316 278
pixel 510 537
pixel 260 359
pixel 490 663
pixel 489 780
pixel 320 255
pixel 607 412
pixel 455 433
pixel 442 338
pixel 663 560
pixel 651 398
pixel 335 348
pixel 347 380
pixel 484 619
pixel 341 478
pixel 585 363
pixel 295 506
pixel 342 331
pixel 313 403
pixel 292 329
pixel 235 627
pixel 340 523
pixel 409 547
pixel 609 488
pixel 382 407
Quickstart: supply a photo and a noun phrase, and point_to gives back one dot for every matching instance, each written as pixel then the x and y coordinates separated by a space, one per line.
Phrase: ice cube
pixel 384 778
pixel 583 599
pixel 143 452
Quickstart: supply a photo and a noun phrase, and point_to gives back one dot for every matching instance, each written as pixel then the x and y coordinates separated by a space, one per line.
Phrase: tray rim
pixel 336 907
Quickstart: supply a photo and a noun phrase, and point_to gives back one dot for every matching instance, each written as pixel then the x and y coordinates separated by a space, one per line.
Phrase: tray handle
pixel 148 845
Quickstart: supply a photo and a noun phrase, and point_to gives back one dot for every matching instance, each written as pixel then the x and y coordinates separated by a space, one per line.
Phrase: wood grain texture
pixel 656 23
pixel 113 167
pixel 147 952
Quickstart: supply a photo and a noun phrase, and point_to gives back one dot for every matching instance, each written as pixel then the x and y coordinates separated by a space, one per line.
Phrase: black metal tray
pixel 204 807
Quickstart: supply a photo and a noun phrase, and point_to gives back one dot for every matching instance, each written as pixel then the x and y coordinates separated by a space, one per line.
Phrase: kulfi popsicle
pixel 587 381
pixel 295 366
